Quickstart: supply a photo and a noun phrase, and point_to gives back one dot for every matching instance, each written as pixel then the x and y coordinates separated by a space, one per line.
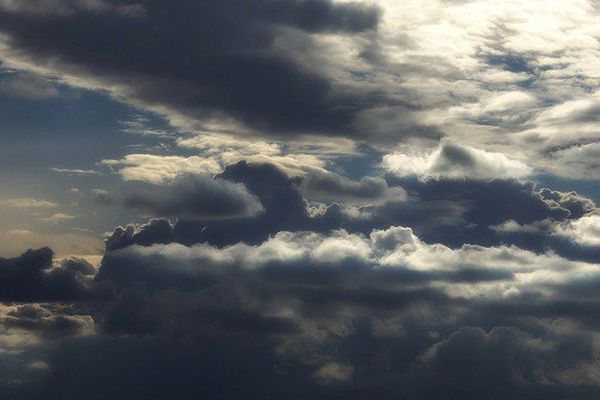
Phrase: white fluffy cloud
pixel 585 230
pixel 159 169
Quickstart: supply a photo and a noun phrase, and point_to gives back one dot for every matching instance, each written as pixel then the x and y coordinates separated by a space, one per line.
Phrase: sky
pixel 301 199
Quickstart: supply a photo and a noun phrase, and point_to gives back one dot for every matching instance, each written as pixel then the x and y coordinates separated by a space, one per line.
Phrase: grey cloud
pixel 391 312
pixel 103 197
pixel 155 231
pixel 229 64
pixel 31 277
pixel 577 205
pixel 28 86
pixel 54 7
pixel 455 161
pixel 45 321
pixel 504 363
pixel 453 212
pixel 78 265
pixel 196 197
pixel 305 302
pixel 329 186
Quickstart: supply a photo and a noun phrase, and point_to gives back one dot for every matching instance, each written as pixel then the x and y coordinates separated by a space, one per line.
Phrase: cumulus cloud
pixel 278 261
pixel 155 231
pixel 453 212
pixel 32 277
pixel 334 312
pixel 451 160
pixel 341 312
pixel 576 160
pixel 329 186
pixel 383 251
pixel 196 197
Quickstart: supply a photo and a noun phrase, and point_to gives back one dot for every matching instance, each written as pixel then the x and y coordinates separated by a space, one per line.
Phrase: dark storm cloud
pixel 196 197
pixel 448 211
pixel 32 277
pixel 202 59
pixel 45 321
pixel 320 312
pixel 394 288
pixel 502 363
pixel 264 321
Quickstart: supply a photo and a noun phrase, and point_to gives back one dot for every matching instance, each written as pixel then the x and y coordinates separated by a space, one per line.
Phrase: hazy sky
pixel 306 199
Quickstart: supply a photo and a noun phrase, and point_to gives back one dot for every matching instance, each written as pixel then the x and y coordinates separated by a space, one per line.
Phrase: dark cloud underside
pixel 227 63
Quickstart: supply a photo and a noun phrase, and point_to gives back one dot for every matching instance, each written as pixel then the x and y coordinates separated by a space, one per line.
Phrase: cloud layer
pixel 313 199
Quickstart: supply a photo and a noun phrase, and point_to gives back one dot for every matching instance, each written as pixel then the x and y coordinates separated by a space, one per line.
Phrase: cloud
pixel 155 231
pixel 54 6
pixel 28 86
pixel 27 203
pixel 15 241
pixel 338 200
pixel 452 212
pixel 329 186
pixel 58 218
pixel 519 362
pixel 295 159
pixel 376 72
pixel 451 160
pixel 81 172
pixel 334 372
pixel 31 277
pixel 49 321
pixel 101 196
pixel 339 308
pixel 292 98
pixel 196 197
pixel 160 169
pixel 585 230
pixel 393 249
pixel 577 160
pixel 334 313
